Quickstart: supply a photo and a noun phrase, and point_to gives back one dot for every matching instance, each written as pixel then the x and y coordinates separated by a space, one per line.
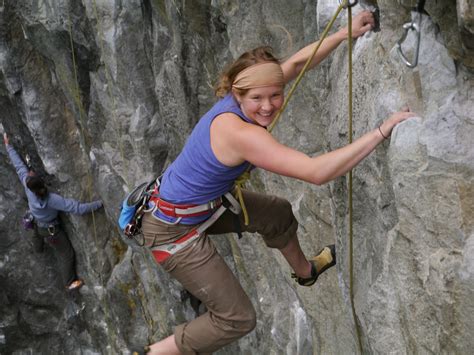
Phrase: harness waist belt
pixel 46 225
pixel 177 210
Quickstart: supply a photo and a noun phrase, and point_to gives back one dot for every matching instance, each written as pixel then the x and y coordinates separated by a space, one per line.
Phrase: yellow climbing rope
pixel 351 253
pixel 239 185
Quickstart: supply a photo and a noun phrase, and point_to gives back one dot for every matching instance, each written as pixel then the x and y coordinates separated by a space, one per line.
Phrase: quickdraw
pixel 415 26
pixel 347 3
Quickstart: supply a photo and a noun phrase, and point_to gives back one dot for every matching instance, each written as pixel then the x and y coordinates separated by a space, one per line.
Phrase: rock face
pixel 102 95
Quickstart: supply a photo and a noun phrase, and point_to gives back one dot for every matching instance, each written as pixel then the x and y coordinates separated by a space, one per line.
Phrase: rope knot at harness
pixel 239 185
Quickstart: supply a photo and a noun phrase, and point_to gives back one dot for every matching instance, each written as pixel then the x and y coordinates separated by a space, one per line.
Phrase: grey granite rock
pixel 115 113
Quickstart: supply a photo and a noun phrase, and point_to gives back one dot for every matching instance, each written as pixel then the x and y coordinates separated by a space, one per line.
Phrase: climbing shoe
pixel 75 285
pixel 139 350
pixel 325 259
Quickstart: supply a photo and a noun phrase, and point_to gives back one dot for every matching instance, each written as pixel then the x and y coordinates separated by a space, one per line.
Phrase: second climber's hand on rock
pixel 5 139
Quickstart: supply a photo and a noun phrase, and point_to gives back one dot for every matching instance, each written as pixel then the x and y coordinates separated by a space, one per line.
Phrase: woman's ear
pixel 237 96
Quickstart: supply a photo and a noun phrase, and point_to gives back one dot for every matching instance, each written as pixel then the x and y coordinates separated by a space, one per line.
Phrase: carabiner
pixel 348 3
pixel 410 26
pixel 28 161
pixel 52 230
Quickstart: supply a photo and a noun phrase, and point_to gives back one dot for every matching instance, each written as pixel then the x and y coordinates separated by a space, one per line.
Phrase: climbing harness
pixel 180 211
pixel 145 198
pixel 52 237
pixel 157 205
pixel 163 251
pixel 414 25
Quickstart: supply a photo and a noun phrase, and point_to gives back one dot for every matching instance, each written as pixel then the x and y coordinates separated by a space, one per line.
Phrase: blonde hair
pixel 247 59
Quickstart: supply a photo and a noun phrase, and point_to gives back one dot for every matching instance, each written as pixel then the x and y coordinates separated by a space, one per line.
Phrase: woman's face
pixel 261 105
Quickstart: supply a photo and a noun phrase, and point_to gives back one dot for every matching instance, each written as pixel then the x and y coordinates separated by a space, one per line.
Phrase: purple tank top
pixel 196 176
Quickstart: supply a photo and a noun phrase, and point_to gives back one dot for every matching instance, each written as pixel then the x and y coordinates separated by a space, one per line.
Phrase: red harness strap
pixel 163 252
pixel 174 210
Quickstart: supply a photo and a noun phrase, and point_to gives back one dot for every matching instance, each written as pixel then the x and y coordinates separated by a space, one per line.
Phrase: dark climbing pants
pixel 62 248
pixel 202 271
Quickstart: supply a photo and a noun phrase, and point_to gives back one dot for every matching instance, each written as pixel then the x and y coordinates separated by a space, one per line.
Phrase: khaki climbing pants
pixel 202 271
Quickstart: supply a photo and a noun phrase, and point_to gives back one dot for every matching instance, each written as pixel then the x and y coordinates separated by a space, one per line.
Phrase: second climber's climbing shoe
pixel 75 285
pixel 325 259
